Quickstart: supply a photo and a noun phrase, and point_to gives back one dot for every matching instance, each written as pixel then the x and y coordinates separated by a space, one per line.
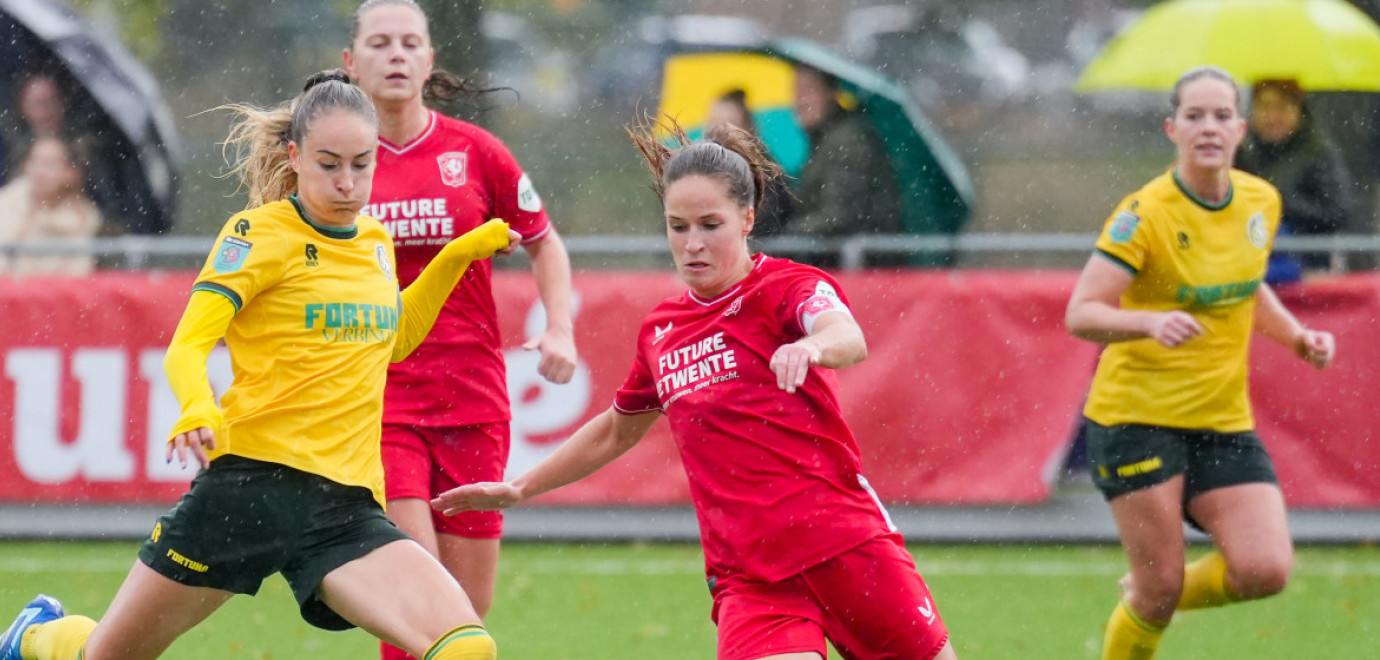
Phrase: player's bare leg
pixel 413 516
pixel 1249 526
pixel 474 562
pixel 148 614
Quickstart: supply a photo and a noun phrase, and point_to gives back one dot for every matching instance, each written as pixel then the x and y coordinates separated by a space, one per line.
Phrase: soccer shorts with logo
pixel 423 462
pixel 244 520
pixel 870 602
pixel 1130 457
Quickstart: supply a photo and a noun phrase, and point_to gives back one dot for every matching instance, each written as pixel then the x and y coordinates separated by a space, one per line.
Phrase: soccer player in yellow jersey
pixel 1174 289
pixel 304 291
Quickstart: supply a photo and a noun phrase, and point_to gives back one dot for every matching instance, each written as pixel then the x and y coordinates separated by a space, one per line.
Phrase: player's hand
pixel 198 441
pixel 1315 347
pixel 483 241
pixel 1174 328
pixel 514 240
pixel 557 355
pixel 482 496
pixel 792 362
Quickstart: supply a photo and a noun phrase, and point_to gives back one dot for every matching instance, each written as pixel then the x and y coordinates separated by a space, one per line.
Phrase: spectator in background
pixel 48 201
pixel 847 185
pixel 115 181
pixel 42 112
pixel 1285 147
pixel 732 109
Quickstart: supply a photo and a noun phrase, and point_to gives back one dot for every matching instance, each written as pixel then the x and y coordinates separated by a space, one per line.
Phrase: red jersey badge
pixel 452 165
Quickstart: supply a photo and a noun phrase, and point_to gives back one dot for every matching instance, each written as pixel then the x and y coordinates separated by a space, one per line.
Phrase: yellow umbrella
pixel 1322 44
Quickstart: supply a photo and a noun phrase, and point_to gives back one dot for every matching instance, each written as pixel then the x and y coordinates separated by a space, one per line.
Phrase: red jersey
pixel 450 179
pixel 776 477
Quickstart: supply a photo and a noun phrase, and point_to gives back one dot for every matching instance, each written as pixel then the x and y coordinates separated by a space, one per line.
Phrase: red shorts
pixel 870 602
pixel 424 462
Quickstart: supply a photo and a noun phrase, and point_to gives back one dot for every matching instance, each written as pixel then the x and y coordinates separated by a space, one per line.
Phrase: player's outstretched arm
pixel 599 442
pixel 1273 320
pixel 834 342
pixel 204 322
pixel 422 301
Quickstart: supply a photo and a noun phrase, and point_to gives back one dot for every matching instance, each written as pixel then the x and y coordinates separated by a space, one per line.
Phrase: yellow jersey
pixel 317 311
pixel 1207 260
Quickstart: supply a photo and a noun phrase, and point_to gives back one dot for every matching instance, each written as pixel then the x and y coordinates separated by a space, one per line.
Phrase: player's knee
pixel 1261 577
pixel 1158 589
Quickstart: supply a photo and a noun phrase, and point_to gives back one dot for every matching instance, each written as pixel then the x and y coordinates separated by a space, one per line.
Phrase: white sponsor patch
pixel 825 299
pixel 528 199
pixel 381 253
pixel 1256 231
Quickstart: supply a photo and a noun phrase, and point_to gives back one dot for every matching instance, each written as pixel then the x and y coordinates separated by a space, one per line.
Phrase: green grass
pixel 641 601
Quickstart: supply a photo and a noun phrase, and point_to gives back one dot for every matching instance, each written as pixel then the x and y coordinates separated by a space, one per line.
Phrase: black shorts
pixel 1130 457
pixel 244 520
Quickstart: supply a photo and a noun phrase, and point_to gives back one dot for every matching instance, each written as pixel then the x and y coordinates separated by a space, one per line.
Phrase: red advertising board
pixel 969 396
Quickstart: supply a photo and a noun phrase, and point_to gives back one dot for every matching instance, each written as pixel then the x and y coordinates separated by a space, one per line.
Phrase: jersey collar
pixel 340 233
pixel 421 137
pixel 1231 192
pixel 757 260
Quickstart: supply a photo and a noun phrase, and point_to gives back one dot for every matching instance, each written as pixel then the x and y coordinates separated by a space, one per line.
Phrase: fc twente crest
pixel 453 167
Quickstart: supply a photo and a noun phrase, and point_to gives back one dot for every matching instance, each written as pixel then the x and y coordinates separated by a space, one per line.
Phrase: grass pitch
pixel 610 602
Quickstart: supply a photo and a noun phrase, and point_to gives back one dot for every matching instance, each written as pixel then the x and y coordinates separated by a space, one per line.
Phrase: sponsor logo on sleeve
pixel 818 305
pixel 824 289
pixel 1256 231
pixel 1123 227
pixel 453 166
pixel 231 254
pixel 528 200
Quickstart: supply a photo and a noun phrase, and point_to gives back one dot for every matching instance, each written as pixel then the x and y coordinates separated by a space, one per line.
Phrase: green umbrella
pixel 935 187
pixel 936 190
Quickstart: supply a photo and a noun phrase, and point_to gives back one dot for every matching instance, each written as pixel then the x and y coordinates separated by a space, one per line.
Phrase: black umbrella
pixel 134 172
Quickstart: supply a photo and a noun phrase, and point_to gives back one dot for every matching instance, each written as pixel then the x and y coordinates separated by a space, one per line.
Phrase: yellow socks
pixel 469 642
pixel 62 639
pixel 1205 584
pixel 1129 637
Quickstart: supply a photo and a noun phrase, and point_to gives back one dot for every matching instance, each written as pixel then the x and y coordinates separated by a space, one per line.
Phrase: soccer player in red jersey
pixel 446 413
pixel 797 547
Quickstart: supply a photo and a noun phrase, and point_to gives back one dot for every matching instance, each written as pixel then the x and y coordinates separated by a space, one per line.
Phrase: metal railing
pixel 142 252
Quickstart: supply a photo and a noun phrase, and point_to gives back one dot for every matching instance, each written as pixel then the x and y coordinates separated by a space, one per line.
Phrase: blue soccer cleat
pixel 41 609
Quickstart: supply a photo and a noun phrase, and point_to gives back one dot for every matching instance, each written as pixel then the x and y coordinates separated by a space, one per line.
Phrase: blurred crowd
pixel 963 67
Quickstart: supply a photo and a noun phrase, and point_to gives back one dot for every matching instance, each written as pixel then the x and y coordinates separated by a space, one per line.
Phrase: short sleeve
pixel 515 197
pixel 1125 238
pixel 809 296
pixel 244 261
pixel 638 393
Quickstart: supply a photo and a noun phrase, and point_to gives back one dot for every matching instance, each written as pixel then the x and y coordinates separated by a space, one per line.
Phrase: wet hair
pixel 1216 73
pixel 259 137
pixel 442 88
pixel 727 153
